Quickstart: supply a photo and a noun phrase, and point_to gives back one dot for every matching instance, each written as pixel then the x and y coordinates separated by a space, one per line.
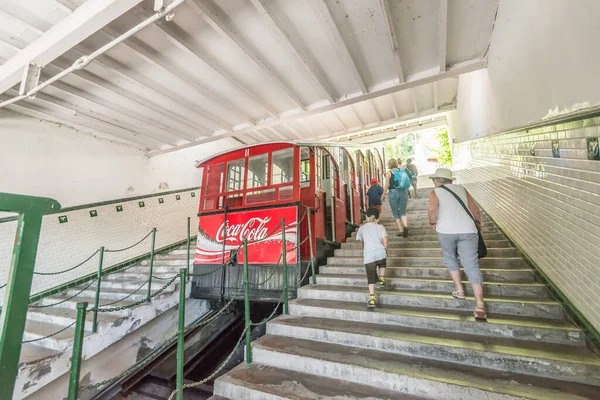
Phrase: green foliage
pixel 402 148
pixel 442 151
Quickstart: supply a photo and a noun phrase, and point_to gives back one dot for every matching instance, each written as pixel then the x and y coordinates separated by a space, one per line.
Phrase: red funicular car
pixel 247 192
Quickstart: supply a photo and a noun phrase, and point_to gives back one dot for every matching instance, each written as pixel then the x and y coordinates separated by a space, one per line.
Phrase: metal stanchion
pixel 181 333
pixel 285 268
pixel 151 264
pixel 97 298
pixel 247 306
pixel 77 350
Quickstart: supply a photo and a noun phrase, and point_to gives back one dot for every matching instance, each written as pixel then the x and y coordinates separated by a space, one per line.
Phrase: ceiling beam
pixel 392 39
pixel 217 24
pixel 443 33
pixel 393 104
pixel 78 101
pixel 362 124
pixel 117 125
pixel 174 120
pixel 400 131
pixel 83 22
pixel 171 68
pixel 179 104
pixel 69 114
pixel 277 133
pixel 303 58
pixel 436 103
pixel 414 81
pixel 339 119
pixel 34 111
pixel 414 101
pixel 182 41
pixel 341 46
pixel 377 117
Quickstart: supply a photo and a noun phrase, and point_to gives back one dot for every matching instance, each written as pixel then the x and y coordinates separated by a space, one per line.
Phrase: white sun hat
pixel 443 173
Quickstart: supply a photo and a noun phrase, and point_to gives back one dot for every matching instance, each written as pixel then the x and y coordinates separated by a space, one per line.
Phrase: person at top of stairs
pixel 398 183
pixel 413 179
pixel 457 234
pixel 375 194
pixel 375 243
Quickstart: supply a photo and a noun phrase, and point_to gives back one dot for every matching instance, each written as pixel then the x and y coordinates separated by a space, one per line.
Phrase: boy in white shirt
pixel 375 243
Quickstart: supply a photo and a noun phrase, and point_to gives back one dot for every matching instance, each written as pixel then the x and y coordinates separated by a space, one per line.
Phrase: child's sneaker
pixel 381 283
pixel 372 301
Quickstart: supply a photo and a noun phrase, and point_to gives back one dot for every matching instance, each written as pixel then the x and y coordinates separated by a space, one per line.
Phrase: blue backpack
pixel 399 179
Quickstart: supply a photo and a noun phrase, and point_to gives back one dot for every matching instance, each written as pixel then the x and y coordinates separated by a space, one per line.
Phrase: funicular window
pixel 319 168
pixel 282 171
pixel 258 171
pixel 214 184
pixel 283 166
pixel 258 176
pixel 235 175
pixel 304 167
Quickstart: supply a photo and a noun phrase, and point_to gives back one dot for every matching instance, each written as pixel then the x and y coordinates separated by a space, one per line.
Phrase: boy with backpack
pixel 375 243
pixel 399 180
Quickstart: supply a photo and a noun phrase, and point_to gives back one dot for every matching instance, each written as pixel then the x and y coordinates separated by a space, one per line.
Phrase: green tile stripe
pixel 108 202
pixel 114 268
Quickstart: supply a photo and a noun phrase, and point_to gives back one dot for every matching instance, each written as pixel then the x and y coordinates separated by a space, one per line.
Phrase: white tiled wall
pixel 65 245
pixel 549 206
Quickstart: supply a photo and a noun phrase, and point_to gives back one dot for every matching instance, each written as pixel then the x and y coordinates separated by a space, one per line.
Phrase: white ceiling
pixel 258 70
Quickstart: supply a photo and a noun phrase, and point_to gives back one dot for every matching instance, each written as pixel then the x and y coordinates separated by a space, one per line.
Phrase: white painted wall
pixel 543 55
pixel 46 159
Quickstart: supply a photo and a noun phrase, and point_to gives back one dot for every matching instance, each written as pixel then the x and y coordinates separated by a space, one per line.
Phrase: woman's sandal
pixel 459 294
pixel 479 312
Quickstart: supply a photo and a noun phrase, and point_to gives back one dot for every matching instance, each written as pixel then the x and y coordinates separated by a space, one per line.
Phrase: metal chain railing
pixel 65 300
pixel 50 335
pixel 124 298
pixel 68 269
pixel 132 246
pixel 137 303
pixel 182 330
pixel 216 371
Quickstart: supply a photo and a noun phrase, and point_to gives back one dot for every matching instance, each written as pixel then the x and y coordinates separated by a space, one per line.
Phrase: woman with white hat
pixel 457 231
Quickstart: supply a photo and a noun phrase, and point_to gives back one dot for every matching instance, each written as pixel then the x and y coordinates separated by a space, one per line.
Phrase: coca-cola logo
pixel 254 229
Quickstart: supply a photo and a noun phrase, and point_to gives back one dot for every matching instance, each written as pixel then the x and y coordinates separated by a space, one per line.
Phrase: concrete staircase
pixel 58 313
pixel 419 342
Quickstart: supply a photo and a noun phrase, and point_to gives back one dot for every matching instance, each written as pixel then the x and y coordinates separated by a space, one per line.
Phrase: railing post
pixel 20 275
pixel 77 350
pixel 97 299
pixel 188 244
pixel 181 333
pixel 285 268
pixel 151 264
pixel 312 255
pixel 247 306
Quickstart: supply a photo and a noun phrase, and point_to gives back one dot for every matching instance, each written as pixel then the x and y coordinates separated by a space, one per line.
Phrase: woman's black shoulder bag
pixel 481 248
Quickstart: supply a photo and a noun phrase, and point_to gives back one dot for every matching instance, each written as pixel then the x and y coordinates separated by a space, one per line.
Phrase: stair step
pixel 505 326
pixel 423 252
pixel 72 303
pixel 427 230
pixel 500 262
pixel 432 244
pixel 31 352
pixel 66 316
pixel 575 364
pixel 112 294
pixel 260 382
pixel 35 329
pixel 489 274
pixel 539 308
pixel 426 236
pixel 511 289
pixel 404 374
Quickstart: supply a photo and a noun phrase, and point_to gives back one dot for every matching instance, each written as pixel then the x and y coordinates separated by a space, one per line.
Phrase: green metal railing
pixel 30 211
pixel 10 358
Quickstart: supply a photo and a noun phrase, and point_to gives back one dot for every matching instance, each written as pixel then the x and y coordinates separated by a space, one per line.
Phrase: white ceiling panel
pixel 256 70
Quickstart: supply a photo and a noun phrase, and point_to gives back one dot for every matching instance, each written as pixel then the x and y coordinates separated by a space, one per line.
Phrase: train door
pixel 319 195
pixel 361 178
pixel 328 196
